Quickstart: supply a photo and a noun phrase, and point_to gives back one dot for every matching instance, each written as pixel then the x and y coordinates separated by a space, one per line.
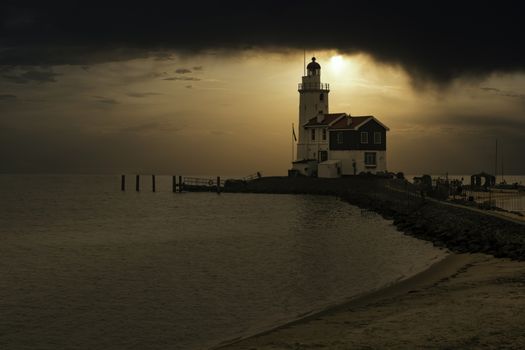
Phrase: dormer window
pixel 377 138
pixel 340 137
pixel 364 137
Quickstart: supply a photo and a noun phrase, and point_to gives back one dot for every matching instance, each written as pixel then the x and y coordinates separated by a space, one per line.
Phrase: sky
pixel 212 89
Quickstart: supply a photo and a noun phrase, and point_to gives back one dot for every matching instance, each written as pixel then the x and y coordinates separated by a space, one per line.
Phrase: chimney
pixel 320 116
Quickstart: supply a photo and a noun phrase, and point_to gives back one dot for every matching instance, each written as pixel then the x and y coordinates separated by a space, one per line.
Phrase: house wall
pixel 328 170
pixel 352 138
pixel 306 168
pixel 348 156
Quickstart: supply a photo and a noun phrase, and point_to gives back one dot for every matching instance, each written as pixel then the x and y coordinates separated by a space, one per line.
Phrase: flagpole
pixel 292 141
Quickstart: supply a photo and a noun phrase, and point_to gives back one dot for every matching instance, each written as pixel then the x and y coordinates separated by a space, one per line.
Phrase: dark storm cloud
pixel 439 41
pixel 183 71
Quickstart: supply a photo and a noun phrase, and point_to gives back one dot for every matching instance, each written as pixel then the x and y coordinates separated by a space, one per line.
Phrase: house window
pixel 313 134
pixel 364 137
pixel 340 137
pixel 324 134
pixel 321 97
pixel 370 159
pixel 377 137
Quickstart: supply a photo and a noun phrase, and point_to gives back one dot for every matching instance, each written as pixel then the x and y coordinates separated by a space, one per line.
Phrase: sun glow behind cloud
pixel 337 63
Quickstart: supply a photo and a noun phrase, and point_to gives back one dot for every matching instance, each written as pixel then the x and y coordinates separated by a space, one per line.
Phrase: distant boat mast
pixel 496 162
pixel 502 178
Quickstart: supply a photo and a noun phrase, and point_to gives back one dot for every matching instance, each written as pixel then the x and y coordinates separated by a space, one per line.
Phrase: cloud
pixel 7 97
pixel 220 132
pixel 189 87
pixel 14 79
pixel 504 93
pixel 182 78
pixel 150 127
pixel 449 40
pixel 183 71
pixel 142 94
pixel 32 76
pixel 198 68
pixel 105 100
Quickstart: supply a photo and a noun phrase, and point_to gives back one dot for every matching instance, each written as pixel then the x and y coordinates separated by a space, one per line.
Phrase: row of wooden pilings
pixel 176 187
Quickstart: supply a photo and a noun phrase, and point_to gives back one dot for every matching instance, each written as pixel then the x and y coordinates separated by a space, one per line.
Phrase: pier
pixel 181 183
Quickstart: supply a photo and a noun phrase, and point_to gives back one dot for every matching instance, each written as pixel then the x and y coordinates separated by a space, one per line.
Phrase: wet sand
pixel 465 301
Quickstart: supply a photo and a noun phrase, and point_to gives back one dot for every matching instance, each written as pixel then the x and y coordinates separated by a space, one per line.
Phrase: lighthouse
pixel 334 144
pixel 313 102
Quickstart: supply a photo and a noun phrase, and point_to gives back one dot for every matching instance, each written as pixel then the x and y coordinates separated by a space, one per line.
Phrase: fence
pixel 509 200
pixel 512 201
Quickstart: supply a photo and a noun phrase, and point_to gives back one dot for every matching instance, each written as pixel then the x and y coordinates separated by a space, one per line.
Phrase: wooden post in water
pixel 174 183
pixel 137 183
pixel 218 184
pixel 180 183
pixel 153 183
pixel 123 182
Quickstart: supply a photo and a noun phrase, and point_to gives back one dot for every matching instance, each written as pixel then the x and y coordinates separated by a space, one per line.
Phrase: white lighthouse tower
pixel 313 102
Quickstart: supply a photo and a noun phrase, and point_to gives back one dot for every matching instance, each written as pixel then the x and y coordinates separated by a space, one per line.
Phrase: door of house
pixel 323 155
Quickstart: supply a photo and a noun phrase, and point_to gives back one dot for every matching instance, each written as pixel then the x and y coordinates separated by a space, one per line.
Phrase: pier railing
pixel 252 177
pixel 183 183
pixel 199 181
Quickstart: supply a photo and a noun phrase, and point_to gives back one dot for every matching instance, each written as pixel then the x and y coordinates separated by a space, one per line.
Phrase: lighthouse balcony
pixel 314 86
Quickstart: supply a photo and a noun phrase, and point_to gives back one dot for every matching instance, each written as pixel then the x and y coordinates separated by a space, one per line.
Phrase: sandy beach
pixel 466 301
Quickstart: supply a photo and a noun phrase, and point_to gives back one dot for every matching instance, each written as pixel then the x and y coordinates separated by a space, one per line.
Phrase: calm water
pixel 85 266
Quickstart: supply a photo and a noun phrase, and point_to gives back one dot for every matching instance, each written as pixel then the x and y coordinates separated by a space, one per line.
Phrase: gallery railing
pixel 313 86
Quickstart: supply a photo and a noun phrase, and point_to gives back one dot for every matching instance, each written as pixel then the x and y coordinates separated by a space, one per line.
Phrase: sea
pixel 85 265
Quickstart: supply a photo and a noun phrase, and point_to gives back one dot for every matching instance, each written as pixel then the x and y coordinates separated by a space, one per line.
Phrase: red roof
pixel 328 118
pixel 341 121
pixel 350 122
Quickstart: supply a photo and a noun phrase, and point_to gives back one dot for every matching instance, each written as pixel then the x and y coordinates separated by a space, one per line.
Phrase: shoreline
pixel 436 271
pixel 462 301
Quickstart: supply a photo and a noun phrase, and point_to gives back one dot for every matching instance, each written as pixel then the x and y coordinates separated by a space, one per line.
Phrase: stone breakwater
pixel 458 229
